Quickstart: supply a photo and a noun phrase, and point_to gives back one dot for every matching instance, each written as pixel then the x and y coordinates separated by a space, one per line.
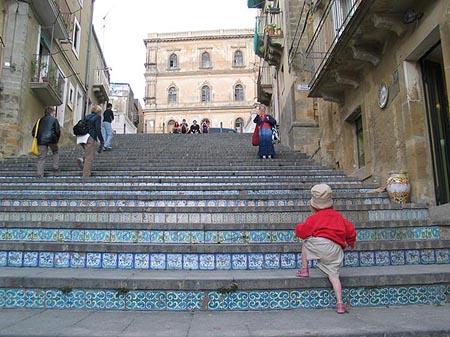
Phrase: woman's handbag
pixel 275 134
pixel 34 149
pixel 255 137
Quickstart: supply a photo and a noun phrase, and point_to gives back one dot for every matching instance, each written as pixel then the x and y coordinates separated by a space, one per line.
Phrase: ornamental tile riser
pixel 214 261
pixel 142 300
pixel 186 203
pixel 208 218
pixel 192 236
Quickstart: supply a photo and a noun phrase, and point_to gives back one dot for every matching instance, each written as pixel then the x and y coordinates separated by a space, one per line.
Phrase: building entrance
pixel 438 121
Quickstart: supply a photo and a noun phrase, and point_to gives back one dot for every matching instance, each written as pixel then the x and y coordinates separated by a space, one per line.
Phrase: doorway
pixel 438 121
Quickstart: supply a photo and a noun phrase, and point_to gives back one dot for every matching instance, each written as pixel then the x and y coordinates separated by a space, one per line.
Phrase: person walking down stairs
pixel 88 141
pixel 326 233
pixel 48 134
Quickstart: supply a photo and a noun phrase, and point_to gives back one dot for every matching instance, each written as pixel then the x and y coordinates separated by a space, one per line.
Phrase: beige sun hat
pixel 321 196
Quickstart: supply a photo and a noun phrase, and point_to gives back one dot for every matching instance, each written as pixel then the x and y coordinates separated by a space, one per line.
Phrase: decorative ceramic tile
pixel 206 261
pixel 62 260
pixel 93 260
pixel 78 260
pixel 158 261
pixel 15 259
pixel 427 256
pixel 442 256
pixel 3 259
pixel 412 256
pixel 125 261
pixel 223 261
pixel 255 261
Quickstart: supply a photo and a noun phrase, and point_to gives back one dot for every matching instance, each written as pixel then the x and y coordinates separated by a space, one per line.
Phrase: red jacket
pixel 328 223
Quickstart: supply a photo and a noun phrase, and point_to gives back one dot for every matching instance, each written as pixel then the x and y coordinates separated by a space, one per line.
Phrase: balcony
pixel 100 85
pixel 54 14
pixel 47 82
pixel 269 39
pixel 350 35
pixel 265 86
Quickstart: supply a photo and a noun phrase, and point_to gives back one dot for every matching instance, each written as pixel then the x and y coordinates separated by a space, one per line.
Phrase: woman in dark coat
pixel 265 123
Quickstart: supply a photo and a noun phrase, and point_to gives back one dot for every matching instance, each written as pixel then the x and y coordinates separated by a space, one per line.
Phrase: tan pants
pixel 329 255
pixel 89 150
pixel 43 155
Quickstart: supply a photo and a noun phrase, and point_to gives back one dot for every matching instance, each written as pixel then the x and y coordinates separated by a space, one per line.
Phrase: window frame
pixel 173 65
pixel 236 93
pixel 172 94
pixel 205 63
pixel 76 37
pixel 235 58
pixel 205 94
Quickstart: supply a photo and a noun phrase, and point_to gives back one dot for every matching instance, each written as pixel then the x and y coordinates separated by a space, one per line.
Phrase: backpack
pixel 81 128
pixel 205 128
pixel 183 128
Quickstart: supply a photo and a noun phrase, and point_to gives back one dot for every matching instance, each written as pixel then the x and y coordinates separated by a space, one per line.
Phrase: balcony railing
pixel 55 16
pixel 47 81
pixel 335 18
pixel 101 85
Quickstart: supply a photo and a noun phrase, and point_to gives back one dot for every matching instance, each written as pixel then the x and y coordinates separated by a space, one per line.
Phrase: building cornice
pixel 199 35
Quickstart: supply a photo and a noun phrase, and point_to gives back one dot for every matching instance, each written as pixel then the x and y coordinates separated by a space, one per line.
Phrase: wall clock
pixel 383 95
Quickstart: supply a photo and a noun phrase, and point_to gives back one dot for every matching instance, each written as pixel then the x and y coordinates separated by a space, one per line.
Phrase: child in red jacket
pixel 326 234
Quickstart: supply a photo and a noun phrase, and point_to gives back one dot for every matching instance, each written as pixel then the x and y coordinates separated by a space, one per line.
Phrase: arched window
pixel 173 61
pixel 206 94
pixel 172 95
pixel 238 92
pixel 206 60
pixel 238 60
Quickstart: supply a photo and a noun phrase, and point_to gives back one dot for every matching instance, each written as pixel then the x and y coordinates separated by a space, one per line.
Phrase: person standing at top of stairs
pixel 326 233
pixel 107 131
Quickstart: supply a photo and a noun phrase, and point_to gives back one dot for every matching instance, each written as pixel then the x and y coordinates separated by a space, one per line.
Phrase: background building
pixel 126 109
pixel 204 75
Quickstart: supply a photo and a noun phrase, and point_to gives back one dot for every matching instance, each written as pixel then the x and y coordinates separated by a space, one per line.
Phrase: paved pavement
pixel 418 320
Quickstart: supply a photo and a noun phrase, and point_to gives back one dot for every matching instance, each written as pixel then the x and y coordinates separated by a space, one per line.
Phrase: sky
pixel 121 27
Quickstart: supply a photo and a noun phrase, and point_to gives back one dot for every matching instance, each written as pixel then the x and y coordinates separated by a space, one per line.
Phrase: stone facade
pixel 366 86
pixel 205 75
pixel 49 51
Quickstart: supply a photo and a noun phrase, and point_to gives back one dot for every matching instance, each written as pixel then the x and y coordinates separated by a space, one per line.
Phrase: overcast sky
pixel 121 27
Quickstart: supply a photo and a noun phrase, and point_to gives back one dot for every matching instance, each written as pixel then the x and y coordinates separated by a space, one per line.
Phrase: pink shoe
pixel 304 272
pixel 340 308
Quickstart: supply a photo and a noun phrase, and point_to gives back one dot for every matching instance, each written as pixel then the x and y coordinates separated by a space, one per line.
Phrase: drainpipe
pixel 88 61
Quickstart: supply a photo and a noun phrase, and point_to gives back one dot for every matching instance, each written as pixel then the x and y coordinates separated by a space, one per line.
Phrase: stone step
pixel 196 256
pixel 53 199
pixel 86 289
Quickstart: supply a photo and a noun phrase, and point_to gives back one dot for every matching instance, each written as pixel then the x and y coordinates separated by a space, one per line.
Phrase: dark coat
pixel 95 126
pixel 269 119
pixel 49 130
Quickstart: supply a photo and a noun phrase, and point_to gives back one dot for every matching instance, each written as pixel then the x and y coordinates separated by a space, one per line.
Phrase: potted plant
pixel 270 29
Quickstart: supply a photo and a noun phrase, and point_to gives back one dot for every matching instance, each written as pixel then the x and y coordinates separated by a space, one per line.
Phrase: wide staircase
pixel 199 222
